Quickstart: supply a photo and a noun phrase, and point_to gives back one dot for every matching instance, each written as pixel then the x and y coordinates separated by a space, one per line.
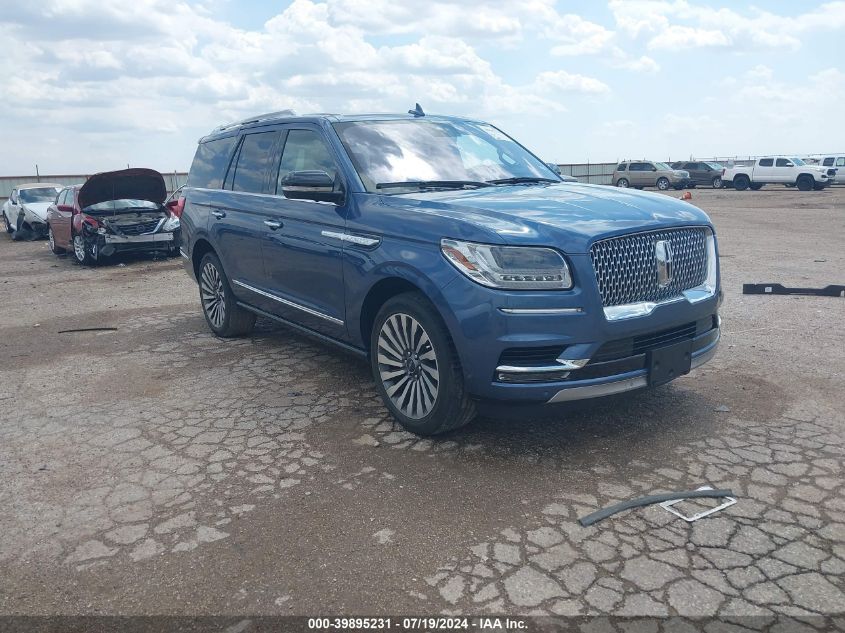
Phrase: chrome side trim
pixel 541 311
pixel 564 365
pixel 352 239
pixel 596 391
pixel 183 253
pixel 287 303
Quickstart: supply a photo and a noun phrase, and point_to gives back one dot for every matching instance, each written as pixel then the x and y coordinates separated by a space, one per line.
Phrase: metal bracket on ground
pixel 833 290
pixel 668 505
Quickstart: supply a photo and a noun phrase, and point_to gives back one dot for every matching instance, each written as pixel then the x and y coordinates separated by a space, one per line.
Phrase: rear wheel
pixel 805 183
pixel 222 312
pixel 622 182
pixel 663 184
pixel 416 368
pixel 716 182
pixel 741 183
pixel 58 250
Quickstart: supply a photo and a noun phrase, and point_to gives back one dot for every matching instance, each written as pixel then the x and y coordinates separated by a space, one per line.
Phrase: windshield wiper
pixel 433 184
pixel 518 180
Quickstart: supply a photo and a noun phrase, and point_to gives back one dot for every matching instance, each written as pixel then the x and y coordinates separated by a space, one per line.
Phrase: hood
pixel 569 216
pixel 38 209
pixel 126 184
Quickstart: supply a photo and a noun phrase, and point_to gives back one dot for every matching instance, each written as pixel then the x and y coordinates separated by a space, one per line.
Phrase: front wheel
pixel 219 305
pixel 805 183
pixel 663 184
pixel 85 253
pixel 741 183
pixel 6 224
pixel 51 239
pixel 716 182
pixel 622 182
pixel 416 368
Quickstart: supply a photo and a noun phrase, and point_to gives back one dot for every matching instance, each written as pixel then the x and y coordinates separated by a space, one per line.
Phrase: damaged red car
pixel 114 212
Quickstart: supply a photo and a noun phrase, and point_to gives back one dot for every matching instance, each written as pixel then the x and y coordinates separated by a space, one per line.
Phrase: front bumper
pixel 570 349
pixel 110 244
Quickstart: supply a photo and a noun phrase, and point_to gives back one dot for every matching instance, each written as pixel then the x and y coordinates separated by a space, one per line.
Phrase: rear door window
pixel 253 161
pixel 210 163
pixel 766 162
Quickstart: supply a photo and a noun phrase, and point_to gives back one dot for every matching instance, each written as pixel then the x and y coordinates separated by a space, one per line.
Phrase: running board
pixel 305 330
pixel 833 290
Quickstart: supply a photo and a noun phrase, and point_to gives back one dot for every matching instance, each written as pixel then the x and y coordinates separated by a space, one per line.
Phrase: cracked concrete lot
pixel 155 469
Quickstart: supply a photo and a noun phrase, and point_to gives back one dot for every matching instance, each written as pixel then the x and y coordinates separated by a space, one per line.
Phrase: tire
pixel 416 368
pixel 716 183
pixel 6 224
pixel 219 306
pixel 756 186
pixel 51 240
pixel 623 182
pixel 663 184
pixel 741 183
pixel 84 253
pixel 805 183
pixel 819 187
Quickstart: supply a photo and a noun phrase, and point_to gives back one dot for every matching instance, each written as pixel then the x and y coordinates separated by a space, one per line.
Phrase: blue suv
pixel 454 260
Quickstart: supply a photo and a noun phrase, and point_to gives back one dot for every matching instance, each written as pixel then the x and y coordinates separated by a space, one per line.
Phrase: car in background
pixel 26 208
pixel 113 212
pixel 837 163
pixel 450 257
pixel 647 173
pixel 781 170
pixel 702 172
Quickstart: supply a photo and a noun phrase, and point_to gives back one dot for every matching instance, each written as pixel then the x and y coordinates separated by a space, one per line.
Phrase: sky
pixel 95 85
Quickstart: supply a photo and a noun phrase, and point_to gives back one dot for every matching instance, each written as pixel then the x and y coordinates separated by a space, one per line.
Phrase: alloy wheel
pixel 622 183
pixel 663 184
pixel 79 248
pixel 407 365
pixel 212 294
pixel 717 183
pixel 51 239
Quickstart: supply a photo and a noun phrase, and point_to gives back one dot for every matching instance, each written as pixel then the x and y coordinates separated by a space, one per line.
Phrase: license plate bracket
pixel 669 362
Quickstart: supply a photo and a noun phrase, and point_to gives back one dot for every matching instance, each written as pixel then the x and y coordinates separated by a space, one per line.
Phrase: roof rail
pixel 256 119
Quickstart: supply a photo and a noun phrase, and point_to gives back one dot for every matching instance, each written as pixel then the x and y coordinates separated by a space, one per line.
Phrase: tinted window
pixel 828 162
pixel 783 162
pixel 38 194
pixel 210 163
pixel 692 166
pixel 251 170
pixel 305 151
pixel 840 162
pixel 638 167
pixel 766 162
pixel 62 198
pixel 621 167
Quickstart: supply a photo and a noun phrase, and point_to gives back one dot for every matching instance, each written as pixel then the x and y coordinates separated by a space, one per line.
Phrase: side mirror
pixel 554 167
pixel 310 185
pixel 171 204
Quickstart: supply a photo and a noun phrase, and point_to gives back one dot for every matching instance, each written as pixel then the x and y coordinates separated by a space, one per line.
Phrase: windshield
pixel 662 166
pixel 38 194
pixel 798 162
pixel 122 205
pixel 389 154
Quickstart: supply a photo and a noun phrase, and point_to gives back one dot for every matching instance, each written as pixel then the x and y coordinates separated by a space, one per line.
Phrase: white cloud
pixel 676 38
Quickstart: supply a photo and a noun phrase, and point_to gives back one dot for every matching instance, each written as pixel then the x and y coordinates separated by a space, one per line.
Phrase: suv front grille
pixel 140 228
pixel 626 266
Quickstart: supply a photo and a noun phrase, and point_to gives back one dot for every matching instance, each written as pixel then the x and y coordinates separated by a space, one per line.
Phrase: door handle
pixel 273 225
pixel 219 214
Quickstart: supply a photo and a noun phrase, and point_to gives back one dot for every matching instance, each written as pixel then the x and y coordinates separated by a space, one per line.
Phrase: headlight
pixel 171 224
pixel 511 267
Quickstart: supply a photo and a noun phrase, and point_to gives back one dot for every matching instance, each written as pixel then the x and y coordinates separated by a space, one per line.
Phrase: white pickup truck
pixel 780 170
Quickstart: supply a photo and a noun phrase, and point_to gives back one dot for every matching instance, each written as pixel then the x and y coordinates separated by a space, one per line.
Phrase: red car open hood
pixel 126 184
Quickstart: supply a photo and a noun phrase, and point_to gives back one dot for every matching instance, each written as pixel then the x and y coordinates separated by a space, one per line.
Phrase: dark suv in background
pixel 450 257
pixel 702 173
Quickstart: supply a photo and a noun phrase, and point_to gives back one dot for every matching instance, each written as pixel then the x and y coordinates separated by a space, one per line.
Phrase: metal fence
pixel 591 173
pixel 172 180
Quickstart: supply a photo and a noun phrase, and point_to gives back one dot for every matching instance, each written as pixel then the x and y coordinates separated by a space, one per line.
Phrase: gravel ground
pixel 155 469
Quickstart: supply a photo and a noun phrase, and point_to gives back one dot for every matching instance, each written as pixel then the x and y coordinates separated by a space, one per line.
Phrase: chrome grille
pixel 140 228
pixel 626 267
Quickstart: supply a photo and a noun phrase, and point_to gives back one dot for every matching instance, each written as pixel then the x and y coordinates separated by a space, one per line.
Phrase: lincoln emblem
pixel 663 255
